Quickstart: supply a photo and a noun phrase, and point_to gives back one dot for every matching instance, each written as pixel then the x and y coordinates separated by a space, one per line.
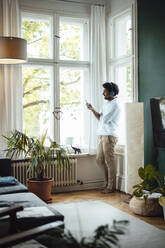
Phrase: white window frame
pixel 55 61
pixel 113 61
pixel 130 58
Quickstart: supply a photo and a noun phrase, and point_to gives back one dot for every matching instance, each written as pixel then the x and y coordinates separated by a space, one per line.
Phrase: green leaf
pixel 141 173
pixel 20 144
pixel 43 138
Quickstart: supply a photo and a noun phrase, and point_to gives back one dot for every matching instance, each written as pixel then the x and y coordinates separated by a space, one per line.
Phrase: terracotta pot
pixel 41 188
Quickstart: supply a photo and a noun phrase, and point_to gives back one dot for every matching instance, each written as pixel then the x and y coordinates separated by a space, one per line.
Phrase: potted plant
pixel 39 155
pixel 144 202
pixel 149 177
pixel 161 189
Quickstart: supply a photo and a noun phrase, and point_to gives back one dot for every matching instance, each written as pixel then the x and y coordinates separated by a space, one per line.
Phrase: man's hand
pixel 89 106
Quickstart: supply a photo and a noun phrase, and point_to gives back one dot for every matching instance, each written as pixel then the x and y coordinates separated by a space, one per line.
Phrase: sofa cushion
pixel 13 189
pixel 8 181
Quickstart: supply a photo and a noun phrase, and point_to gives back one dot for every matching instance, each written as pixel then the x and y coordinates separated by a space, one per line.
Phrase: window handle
pixel 57 36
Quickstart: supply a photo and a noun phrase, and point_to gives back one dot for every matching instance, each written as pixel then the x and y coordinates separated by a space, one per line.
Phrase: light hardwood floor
pixel 114 199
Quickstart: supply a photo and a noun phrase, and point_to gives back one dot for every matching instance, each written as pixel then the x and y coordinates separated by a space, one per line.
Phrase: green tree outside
pixel 36 79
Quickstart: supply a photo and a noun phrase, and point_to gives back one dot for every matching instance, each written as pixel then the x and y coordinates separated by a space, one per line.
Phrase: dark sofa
pixel 38 237
pixel 19 195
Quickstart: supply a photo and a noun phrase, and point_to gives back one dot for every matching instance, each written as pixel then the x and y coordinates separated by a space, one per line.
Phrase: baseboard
pixel 120 180
pixel 78 187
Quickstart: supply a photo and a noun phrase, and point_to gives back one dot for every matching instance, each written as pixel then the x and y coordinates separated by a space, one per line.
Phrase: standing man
pixel 108 135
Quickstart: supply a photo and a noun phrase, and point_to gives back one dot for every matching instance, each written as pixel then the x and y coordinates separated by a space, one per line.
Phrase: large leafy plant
pixel 149 176
pixel 150 182
pixel 40 155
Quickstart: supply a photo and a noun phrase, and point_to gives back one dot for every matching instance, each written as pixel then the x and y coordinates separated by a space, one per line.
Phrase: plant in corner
pixel 151 183
pixel 40 156
pixel 149 176
pixel 161 189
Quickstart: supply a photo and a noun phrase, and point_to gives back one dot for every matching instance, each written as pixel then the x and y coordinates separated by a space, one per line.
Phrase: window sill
pixel 81 155
pixel 119 150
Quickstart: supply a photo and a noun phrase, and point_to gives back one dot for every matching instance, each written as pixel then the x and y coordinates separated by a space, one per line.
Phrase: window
pixel 37 30
pixel 120 61
pixel 73 39
pixel 55 76
pixel 72 104
pixel 73 76
pixel 122 35
pixel 37 98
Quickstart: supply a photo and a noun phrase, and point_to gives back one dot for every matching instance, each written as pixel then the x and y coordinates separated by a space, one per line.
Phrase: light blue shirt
pixel 109 118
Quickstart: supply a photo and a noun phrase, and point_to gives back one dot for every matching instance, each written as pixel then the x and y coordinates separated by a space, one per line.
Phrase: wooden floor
pixel 114 199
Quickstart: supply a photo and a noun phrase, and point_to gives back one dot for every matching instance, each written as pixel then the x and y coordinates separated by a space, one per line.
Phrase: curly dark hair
pixel 111 87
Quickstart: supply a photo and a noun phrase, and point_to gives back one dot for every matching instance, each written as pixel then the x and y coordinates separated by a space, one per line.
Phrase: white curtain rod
pixel 70 1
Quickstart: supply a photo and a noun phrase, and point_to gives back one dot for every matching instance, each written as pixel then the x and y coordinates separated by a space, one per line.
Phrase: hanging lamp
pixel 13 50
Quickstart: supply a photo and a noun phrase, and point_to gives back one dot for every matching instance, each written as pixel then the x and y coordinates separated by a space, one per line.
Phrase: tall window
pixel 73 76
pixel 120 61
pixel 55 76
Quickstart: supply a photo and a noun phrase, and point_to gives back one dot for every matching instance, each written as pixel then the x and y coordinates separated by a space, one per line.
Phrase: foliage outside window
pixel 36 99
pixel 38 33
pixel 51 81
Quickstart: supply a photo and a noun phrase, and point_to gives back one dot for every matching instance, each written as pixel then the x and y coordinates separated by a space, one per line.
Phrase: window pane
pixel 124 79
pixel 37 30
pixel 73 39
pixel 123 36
pixel 36 99
pixel 72 104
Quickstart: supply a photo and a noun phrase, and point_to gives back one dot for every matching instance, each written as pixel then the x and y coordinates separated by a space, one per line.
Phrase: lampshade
pixel 13 50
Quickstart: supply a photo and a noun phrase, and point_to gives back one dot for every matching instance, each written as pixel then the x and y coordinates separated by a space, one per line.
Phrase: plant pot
pixel 41 188
pixel 151 208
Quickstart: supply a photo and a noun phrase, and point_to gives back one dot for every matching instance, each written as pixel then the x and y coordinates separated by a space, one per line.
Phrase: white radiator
pixel 63 175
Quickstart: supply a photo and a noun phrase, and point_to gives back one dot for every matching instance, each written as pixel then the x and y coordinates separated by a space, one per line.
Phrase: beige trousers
pixel 106 160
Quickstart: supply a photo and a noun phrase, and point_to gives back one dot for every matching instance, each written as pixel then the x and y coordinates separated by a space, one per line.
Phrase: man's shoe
pixel 107 191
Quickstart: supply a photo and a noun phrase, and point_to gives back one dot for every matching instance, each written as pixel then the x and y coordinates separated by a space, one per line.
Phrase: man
pixel 108 135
